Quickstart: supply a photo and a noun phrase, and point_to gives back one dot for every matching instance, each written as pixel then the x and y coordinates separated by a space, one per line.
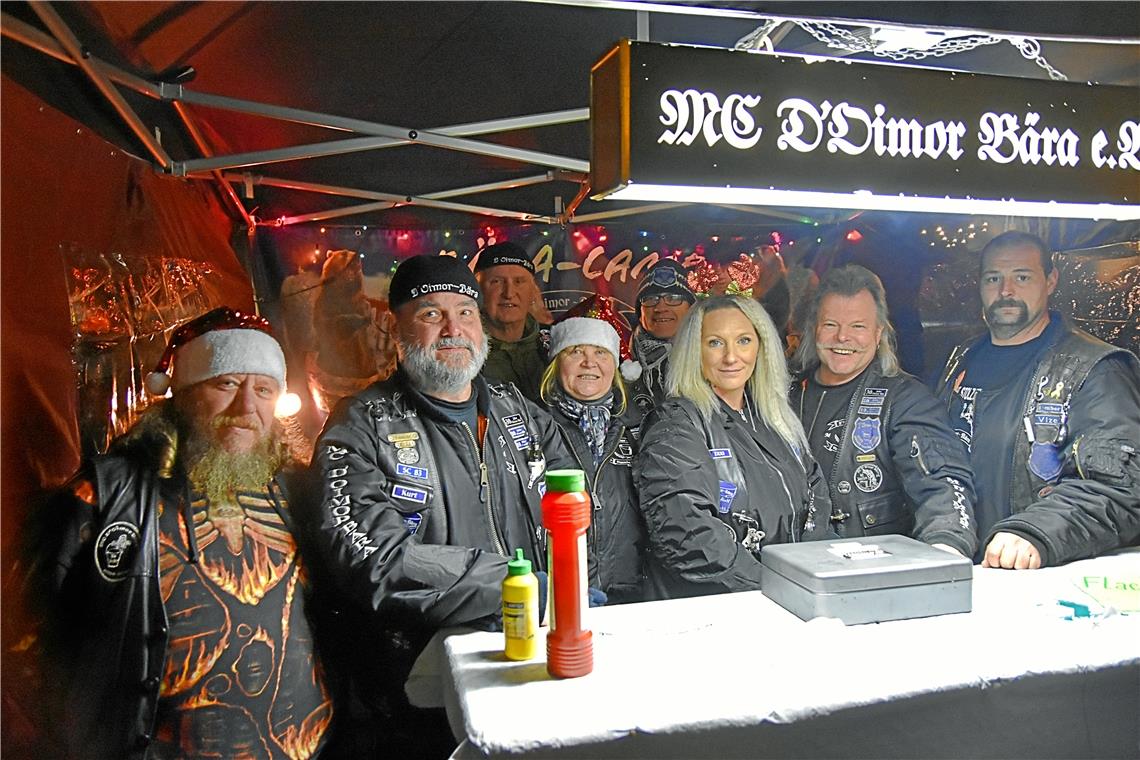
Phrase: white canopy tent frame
pixel 68 48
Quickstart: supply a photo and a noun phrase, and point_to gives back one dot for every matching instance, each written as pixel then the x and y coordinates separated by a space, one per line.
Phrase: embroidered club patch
pixel 512 419
pixel 412 522
pixel 873 411
pixel 522 443
pixel 865 434
pixel 1045 461
pixel 720 453
pixel 727 495
pixel 518 431
pixel 408 456
pixel 875 391
pixel 419 473
pixel 868 478
pixel 115 550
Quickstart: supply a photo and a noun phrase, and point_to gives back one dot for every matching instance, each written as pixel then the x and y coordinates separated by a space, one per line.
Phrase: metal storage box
pixel 866 580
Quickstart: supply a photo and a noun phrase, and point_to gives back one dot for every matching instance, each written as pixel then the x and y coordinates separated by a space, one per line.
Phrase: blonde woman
pixel 725 468
pixel 589 400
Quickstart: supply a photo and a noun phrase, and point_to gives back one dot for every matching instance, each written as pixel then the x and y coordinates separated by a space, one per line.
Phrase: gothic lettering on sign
pixel 693 113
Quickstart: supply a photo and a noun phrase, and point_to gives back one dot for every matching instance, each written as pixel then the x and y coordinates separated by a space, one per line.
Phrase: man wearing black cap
pixel 431 479
pixel 518 342
pixel 663 300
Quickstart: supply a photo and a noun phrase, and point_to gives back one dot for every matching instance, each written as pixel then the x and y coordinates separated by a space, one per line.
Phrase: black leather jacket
pixel 1083 406
pixel 106 637
pixel 416 520
pixel 713 495
pixel 910 473
pixel 616 539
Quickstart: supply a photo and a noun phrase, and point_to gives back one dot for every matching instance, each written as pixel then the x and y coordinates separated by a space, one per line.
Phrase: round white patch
pixel 115 550
pixel 408 456
pixel 868 478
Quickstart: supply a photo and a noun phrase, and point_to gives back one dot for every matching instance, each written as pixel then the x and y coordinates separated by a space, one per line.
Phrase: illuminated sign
pixel 678 123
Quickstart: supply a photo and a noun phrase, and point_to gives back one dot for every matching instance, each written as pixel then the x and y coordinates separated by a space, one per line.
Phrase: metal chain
pixel 755 39
pixel 1031 49
pixel 841 39
pixel 838 38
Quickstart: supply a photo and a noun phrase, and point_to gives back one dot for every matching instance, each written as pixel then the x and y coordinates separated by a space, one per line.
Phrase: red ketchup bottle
pixel 566 516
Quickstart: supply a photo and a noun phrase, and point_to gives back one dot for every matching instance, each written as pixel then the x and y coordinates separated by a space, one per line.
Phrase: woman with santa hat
pixel 589 399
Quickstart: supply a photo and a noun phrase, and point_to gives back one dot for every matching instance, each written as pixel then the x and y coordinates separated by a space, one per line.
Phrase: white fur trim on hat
pixel 584 331
pixel 228 352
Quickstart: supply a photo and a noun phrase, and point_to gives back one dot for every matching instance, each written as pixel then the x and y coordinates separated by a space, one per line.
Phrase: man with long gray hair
pixel 893 463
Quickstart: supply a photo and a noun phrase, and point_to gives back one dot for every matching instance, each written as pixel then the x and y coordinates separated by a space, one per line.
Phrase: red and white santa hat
pixel 220 342
pixel 595 321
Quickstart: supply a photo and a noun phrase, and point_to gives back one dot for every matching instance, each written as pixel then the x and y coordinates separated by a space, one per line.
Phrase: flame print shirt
pixel 240 678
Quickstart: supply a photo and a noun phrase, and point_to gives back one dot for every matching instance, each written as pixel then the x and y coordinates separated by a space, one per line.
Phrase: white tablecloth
pixel 691 675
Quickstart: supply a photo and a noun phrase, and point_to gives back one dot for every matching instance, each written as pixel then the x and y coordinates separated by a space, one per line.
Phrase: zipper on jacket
pixel 485 493
pixel 594 539
pixel 839 457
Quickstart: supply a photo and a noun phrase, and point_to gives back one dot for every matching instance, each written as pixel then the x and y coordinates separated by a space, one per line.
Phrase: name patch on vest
pixel 720 453
pixel 407 493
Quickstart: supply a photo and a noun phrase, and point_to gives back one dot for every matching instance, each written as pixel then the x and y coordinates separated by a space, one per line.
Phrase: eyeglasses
pixel 671 299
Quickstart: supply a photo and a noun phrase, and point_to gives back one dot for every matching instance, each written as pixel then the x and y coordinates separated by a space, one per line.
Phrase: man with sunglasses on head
pixel 663 300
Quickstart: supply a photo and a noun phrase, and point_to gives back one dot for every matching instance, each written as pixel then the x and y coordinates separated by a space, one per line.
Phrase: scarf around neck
pixel 652 353
pixel 593 419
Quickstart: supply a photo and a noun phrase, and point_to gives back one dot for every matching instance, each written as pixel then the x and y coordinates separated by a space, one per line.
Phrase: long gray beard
pixel 431 376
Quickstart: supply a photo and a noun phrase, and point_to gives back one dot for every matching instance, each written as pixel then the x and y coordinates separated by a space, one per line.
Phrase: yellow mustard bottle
pixel 520 609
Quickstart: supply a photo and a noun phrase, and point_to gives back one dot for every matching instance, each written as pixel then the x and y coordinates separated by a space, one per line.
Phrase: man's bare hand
pixel 1011 552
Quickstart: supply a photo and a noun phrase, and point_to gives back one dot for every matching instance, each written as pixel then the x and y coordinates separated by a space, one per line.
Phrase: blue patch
pixel 418 495
pixel 727 494
pixel 875 391
pixel 542 488
pixel 1045 461
pixel 412 522
pixel 419 473
pixel 874 411
pixel 522 443
pixel 518 431
pixel 1050 408
pixel 872 401
pixel 720 453
pixel 1047 419
pixel 866 434
pixel 512 419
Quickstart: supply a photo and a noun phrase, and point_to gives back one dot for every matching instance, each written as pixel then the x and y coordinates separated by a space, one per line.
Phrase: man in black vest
pixel 1051 416
pixel 892 462
pixel 430 479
